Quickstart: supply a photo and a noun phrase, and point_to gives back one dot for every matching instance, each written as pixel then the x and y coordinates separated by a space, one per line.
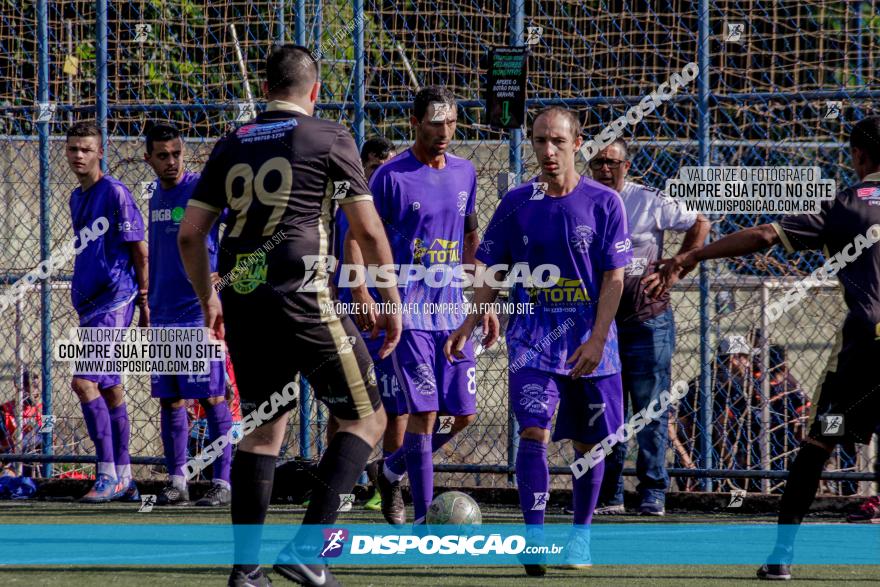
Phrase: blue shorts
pixel 116 318
pixel 198 386
pixel 590 408
pixel 428 382
pixel 386 379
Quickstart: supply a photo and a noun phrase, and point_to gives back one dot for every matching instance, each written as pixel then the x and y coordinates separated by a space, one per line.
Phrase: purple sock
pixel 121 432
pixel 98 424
pixel 417 451
pixel 174 426
pixel 219 422
pixel 532 477
pixel 586 492
pixel 396 461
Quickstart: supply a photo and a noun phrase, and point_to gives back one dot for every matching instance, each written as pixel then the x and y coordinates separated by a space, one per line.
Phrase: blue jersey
pixel 584 234
pixel 424 211
pixel 172 299
pixel 103 272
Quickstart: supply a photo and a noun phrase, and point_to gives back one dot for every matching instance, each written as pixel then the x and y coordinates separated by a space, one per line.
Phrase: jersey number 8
pixel 256 186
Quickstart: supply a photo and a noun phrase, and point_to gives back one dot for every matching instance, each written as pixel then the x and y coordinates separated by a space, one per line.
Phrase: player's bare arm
pixel 365 319
pixel 469 250
pixel 366 228
pixel 587 356
pixel 139 258
pixel 743 242
pixel 194 229
pixel 694 238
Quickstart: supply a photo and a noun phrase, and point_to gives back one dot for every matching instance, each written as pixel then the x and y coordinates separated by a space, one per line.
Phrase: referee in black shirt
pixel 848 409
pixel 280 176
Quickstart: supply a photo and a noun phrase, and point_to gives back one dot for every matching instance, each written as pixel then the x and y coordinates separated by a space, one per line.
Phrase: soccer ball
pixel 454 507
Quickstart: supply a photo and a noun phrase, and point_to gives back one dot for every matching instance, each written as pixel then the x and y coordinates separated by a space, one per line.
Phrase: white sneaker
pixel 610 510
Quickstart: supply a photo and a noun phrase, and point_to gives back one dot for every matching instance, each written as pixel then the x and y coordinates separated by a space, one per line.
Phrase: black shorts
pixel 269 347
pixel 848 409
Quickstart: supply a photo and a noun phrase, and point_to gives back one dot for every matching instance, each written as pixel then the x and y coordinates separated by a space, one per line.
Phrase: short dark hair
pixel 161 132
pixel 427 96
pixel 290 69
pixel 866 136
pixel 569 114
pixel 84 129
pixel 379 147
pixel 622 144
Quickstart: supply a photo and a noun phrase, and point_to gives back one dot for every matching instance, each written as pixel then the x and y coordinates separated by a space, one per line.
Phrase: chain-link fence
pixel 780 83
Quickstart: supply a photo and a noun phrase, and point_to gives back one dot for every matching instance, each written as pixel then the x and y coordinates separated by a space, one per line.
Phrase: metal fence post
pixel 280 27
pixel 765 386
pixel 45 231
pixel 299 22
pixel 359 91
pixel 101 75
pixel 703 139
pixel 517 19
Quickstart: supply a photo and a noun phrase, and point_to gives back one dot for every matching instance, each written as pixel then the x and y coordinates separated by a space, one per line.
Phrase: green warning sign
pixel 506 87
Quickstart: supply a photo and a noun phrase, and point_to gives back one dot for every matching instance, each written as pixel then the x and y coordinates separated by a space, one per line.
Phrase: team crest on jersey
pixel 423 379
pixel 534 399
pixel 371 375
pixel 539 190
pixel 582 238
pixel 340 189
pixel 250 272
pixel 462 203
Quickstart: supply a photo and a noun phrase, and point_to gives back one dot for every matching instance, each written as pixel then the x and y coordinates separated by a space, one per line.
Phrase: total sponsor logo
pixel 565 290
pixel 440 251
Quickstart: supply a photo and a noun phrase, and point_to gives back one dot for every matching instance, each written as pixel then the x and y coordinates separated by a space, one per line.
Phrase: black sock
pixel 337 473
pixel 799 493
pixel 251 479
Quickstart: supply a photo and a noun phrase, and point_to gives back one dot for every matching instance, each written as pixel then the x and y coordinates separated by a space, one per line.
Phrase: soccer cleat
pixel 869 511
pixel 126 492
pixel 577 551
pixel 171 495
pixel 218 495
pixel 291 567
pixel 375 502
pixel 609 510
pixel 774 573
pixel 533 568
pixel 102 491
pixel 392 500
pixel 255 578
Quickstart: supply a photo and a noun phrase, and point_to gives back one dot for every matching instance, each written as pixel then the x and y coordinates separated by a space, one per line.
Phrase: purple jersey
pixel 103 273
pixel 172 299
pixel 424 212
pixel 584 234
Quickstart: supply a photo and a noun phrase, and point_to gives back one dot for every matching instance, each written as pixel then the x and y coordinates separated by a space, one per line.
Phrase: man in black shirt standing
pixel 848 409
pixel 280 176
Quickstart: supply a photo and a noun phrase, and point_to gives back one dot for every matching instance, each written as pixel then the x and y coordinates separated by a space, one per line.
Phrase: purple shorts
pixel 590 408
pixel 428 382
pixel 386 379
pixel 117 318
pixel 212 384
